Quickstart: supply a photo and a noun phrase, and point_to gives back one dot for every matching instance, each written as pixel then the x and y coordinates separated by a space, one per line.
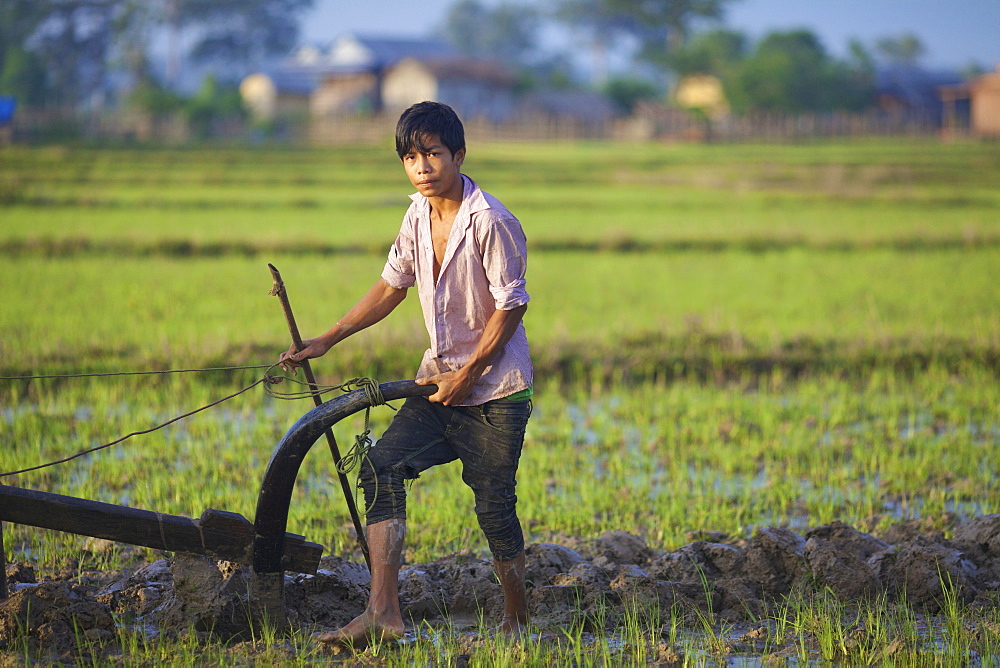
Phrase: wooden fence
pixel 650 124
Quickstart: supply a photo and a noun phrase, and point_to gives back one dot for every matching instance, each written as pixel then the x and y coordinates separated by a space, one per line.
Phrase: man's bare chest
pixel 440 234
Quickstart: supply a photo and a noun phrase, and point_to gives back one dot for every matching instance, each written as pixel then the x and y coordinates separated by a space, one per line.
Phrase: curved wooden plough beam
pixel 279 481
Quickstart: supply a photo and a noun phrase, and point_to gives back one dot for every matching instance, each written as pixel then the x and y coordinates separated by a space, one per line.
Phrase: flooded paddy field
pixel 764 433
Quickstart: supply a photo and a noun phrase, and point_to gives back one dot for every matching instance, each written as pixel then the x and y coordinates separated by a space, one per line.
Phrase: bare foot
pixel 512 627
pixel 362 630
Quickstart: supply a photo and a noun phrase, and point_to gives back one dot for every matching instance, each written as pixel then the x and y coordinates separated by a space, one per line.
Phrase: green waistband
pixel 523 395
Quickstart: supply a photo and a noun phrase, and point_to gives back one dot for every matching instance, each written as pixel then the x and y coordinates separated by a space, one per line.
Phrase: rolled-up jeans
pixel 486 438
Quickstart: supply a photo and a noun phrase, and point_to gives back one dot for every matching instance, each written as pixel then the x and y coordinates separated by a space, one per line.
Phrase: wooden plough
pixel 264 544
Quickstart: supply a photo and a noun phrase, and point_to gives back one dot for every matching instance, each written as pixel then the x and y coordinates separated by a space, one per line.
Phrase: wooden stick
pixel 3 568
pixel 278 290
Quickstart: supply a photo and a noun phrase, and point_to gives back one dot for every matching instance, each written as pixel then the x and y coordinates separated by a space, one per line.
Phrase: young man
pixel 466 254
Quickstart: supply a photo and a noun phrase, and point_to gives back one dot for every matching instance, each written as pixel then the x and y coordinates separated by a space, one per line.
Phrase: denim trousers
pixel 487 439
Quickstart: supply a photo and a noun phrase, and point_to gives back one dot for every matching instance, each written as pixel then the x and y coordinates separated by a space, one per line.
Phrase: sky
pixel 955 33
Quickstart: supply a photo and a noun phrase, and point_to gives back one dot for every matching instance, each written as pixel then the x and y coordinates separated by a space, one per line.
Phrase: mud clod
pixel 775 559
pixel 543 561
pixel 47 616
pixel 841 568
pixel 621 547
pixel 926 573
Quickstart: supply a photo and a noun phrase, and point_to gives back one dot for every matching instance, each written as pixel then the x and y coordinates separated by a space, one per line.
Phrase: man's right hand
pixel 292 358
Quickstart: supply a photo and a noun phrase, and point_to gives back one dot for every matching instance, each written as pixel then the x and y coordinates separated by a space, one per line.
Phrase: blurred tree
pixel 76 41
pixel 905 50
pixel 791 72
pixel 23 77
pixel 73 41
pixel 973 70
pixel 149 96
pixel 662 27
pixel 603 23
pixel 19 19
pixel 507 32
pixel 236 31
pixel 857 76
pixel 70 39
pixel 213 102
pixel 134 26
pixel 626 92
pixel 709 53
pixel 555 72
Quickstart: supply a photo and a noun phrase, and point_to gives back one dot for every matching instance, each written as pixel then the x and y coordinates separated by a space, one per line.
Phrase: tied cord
pixel 362 442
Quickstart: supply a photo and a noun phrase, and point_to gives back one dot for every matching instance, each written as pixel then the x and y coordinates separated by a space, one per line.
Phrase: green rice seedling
pixel 990 645
pixel 639 627
pixel 783 622
pixel 132 641
pixel 802 624
pixel 88 650
pixel 909 630
pixel 957 638
pixel 810 194
pixel 693 483
pixel 827 625
pixel 571 644
pixel 867 640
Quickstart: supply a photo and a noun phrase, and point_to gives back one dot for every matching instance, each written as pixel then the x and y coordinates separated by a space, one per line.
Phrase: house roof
pixel 383 52
pixel 486 71
pixel 984 82
pixel 305 69
pixel 987 81
pixel 916 87
pixel 360 52
pixel 297 81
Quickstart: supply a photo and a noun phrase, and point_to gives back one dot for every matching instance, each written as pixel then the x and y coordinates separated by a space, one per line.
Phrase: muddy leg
pixel 382 618
pixel 515 606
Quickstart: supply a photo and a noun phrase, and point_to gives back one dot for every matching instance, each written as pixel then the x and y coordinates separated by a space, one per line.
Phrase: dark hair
pixel 424 119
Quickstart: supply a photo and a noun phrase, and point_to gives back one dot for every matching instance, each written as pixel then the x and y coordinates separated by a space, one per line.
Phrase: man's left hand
pixel 453 387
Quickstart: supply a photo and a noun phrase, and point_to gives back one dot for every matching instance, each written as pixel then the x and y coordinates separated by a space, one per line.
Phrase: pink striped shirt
pixel 483 269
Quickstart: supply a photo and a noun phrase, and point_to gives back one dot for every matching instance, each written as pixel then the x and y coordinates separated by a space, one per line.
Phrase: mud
pixel 590 584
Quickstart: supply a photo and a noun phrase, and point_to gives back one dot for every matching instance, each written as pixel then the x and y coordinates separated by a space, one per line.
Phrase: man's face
pixel 435 171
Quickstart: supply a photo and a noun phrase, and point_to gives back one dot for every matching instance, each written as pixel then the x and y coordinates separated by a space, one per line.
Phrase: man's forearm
pixel 377 303
pixel 499 328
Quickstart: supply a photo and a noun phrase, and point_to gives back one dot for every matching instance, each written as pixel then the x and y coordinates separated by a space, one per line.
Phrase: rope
pixel 135 373
pixel 312 389
pixel 265 379
pixel 357 453
pixel 362 442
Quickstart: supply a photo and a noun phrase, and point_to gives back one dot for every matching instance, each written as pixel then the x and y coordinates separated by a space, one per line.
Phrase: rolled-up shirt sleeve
pixel 505 259
pixel 400 268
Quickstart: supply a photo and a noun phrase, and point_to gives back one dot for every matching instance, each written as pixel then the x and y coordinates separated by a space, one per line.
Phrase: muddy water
pixel 589 584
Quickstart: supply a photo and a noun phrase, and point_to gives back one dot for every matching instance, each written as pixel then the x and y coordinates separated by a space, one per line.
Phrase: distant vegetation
pixel 46 63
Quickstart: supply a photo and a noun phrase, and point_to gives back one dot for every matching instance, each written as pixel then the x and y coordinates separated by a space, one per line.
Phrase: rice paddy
pixel 725 339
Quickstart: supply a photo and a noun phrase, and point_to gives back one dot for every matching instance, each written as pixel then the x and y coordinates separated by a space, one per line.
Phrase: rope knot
pixel 371 387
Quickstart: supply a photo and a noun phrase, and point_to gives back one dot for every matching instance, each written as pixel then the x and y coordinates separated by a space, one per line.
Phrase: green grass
pixel 604 194
pixel 727 337
pixel 726 311
pixel 658 460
